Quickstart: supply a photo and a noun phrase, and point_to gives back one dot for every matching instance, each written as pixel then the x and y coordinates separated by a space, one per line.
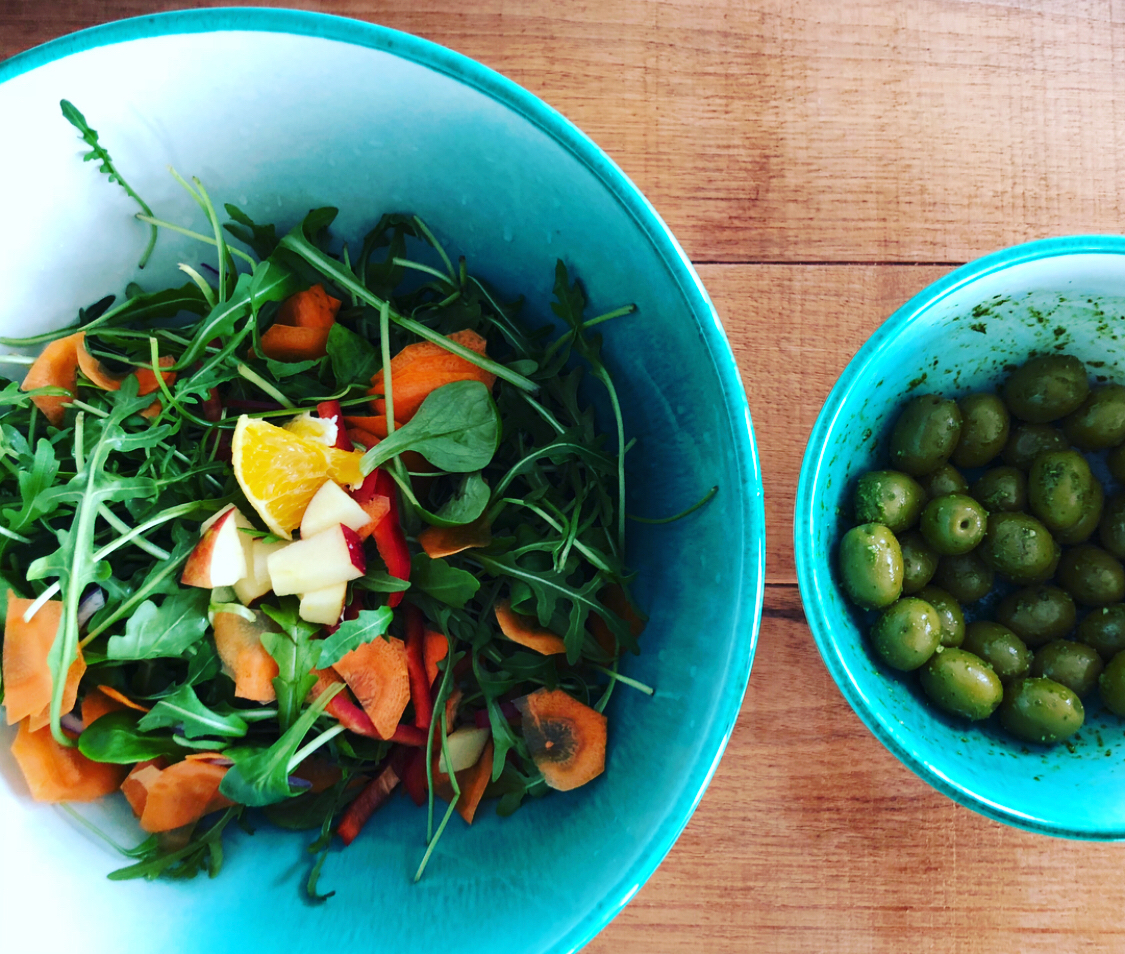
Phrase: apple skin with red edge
pixel 330 557
pixel 220 556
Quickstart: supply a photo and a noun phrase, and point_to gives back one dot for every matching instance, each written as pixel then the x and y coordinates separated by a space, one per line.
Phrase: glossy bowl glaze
pixel 957 336
pixel 279 111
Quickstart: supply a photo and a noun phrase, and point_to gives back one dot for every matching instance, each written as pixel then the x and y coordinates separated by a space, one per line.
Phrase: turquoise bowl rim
pixel 564 132
pixel 813 584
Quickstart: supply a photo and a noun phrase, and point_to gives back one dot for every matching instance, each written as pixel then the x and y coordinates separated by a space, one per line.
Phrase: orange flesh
pixel 565 738
pixel 56 773
pixel 376 672
pixel 183 793
pixel 523 630
pixel 244 657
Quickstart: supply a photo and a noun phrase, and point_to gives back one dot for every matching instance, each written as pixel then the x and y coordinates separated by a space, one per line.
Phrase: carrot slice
pixel 137 782
pixel 245 659
pixel 93 369
pixel 472 782
pixel 613 598
pixel 56 366
pixel 27 676
pixel 437 648
pixel 439 542
pixel 96 704
pixel 376 672
pixel 321 773
pixel 423 367
pixel 287 343
pixel 564 737
pixel 183 793
pixel 122 698
pixel 55 773
pixel 312 308
pixel 523 630
pixel 147 380
pixel 373 424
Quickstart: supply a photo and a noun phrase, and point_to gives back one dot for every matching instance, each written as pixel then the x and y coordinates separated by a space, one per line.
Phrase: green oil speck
pixel 978 326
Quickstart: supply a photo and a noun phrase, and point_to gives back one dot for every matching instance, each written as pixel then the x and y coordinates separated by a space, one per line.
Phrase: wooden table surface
pixel 820 162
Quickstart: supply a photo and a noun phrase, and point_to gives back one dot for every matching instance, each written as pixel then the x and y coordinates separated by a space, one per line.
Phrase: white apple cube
pixel 219 558
pixel 327 558
pixel 257 580
pixel 465 747
pixel 325 605
pixel 329 506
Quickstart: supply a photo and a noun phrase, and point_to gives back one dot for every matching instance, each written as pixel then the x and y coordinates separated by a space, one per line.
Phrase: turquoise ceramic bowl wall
pixel 280 111
pixel 955 337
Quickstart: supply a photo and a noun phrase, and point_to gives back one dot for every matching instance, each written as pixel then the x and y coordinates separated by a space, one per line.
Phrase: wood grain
pixel 800 130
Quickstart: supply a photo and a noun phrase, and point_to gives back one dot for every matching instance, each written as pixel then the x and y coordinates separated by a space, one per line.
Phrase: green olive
pixel 1112 685
pixel 1001 489
pixel 967 578
pixel 1100 421
pixel 1037 614
pixel 1103 629
pixel 888 497
pixel 984 430
pixel 1046 388
pixel 998 646
pixel 1019 547
pixel 1091 575
pixel 1111 530
pixel 943 480
pixel 1028 441
pixel 907 633
pixel 1088 522
pixel 1074 665
pixel 925 434
pixel 950 613
pixel 1115 460
pixel 1041 710
pixel 871 566
pixel 961 684
pixel 1057 487
pixel 953 524
pixel 919 561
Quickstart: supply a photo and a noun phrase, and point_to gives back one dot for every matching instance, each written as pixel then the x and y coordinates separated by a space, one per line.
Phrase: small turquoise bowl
pixel 958 336
pixel 279 111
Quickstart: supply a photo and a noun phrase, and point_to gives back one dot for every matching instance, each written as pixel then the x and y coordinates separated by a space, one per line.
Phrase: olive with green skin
pixel 1115 460
pixel 1001 490
pixel 907 633
pixel 1100 421
pixel 1019 547
pixel 1088 522
pixel 984 430
pixel 925 434
pixel 1028 441
pixel 1112 685
pixel 1057 486
pixel 967 578
pixel 1074 665
pixel 998 646
pixel 871 566
pixel 1091 575
pixel 1103 629
pixel 953 524
pixel 961 684
pixel 1037 614
pixel 1111 529
pixel 949 612
pixel 1041 710
pixel 1046 388
pixel 919 561
pixel 888 497
pixel 943 480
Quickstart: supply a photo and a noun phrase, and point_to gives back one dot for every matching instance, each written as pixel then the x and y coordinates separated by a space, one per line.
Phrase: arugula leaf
pixel 167 630
pixel 118 738
pixel 184 708
pixel 443 582
pixel 295 653
pixel 457 428
pixel 261 238
pixel 466 505
pixel 353 633
pixel 33 483
pixel 280 370
pixel 354 359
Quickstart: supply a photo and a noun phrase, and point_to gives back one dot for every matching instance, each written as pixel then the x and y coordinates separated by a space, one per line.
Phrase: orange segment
pixel 343 467
pixel 278 471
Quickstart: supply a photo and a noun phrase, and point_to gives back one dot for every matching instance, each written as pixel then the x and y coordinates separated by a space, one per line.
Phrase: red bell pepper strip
pixel 354 719
pixel 373 797
pixel 388 535
pixel 414 777
pixel 416 668
pixel 331 410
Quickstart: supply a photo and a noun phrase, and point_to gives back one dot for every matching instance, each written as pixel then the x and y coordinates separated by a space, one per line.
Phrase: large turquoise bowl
pixel 957 336
pixel 280 111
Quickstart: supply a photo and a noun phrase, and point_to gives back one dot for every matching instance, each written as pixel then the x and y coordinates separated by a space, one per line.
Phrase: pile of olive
pixel 928 542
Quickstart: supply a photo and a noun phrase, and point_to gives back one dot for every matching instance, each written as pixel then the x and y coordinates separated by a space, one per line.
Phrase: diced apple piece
pixel 465 747
pixel 325 605
pixel 219 558
pixel 257 580
pixel 331 505
pixel 332 556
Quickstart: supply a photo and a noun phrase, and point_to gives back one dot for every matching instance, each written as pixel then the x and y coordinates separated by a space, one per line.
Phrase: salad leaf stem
pixel 172 227
pixel 263 385
pixel 436 245
pixel 701 502
pixel 324 738
pixel 208 291
pixel 617 677
pixel 123 528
